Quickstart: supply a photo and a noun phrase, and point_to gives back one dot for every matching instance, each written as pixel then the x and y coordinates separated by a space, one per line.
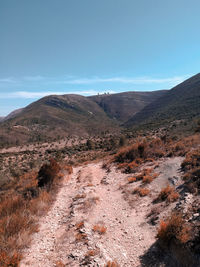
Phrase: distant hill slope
pixel 12 114
pixel 123 106
pixel 57 116
pixel 181 102
pixel 54 116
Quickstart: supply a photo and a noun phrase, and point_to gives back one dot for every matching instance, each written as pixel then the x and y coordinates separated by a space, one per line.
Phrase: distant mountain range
pixel 54 117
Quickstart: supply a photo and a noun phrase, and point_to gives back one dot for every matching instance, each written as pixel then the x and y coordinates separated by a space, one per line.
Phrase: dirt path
pixel 95 198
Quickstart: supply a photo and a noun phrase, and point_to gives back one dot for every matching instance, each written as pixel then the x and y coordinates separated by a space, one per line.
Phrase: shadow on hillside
pixel 156 257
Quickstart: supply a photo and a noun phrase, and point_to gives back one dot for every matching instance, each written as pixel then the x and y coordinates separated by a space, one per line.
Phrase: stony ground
pixel 95 219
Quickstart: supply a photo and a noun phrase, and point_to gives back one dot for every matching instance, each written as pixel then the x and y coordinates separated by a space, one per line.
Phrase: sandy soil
pixel 95 197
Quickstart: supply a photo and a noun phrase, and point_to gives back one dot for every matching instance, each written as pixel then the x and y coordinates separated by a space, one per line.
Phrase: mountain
pixel 122 106
pixel 54 116
pixel 1 119
pixel 12 114
pixel 57 116
pixel 181 102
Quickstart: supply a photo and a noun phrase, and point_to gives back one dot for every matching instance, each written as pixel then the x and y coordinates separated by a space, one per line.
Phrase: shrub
pixel 100 229
pixel 80 237
pixel 173 227
pixel 122 141
pixel 167 193
pixel 191 167
pixel 147 179
pixel 90 144
pixel 11 261
pixel 191 161
pixel 131 179
pixel 79 225
pixel 140 152
pixel 142 192
pixel 48 173
pixel 91 253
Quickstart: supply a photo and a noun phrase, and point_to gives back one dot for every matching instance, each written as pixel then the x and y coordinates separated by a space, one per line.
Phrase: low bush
pixel 101 229
pixel 141 191
pixel 191 167
pixel 173 228
pixel 131 179
pixel 48 173
pixel 167 193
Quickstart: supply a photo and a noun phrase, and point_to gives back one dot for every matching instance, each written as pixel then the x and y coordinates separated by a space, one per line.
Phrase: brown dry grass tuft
pixel 79 225
pixel 91 253
pixel 60 264
pixel 112 264
pixel 80 237
pixel 173 227
pixel 147 179
pixel 142 192
pixel 101 229
pixel 131 179
pixel 167 193
pixel 12 261
pixel 141 151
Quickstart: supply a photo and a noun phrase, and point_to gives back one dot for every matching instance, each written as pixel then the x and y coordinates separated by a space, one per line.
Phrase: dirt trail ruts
pixel 93 196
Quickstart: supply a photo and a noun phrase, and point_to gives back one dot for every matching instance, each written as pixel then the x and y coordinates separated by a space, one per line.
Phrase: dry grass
pixel 173 227
pixel 141 191
pixel 130 157
pixel 91 253
pixel 141 151
pixel 79 196
pixel 81 237
pixel 147 179
pixel 60 264
pixel 18 216
pixel 167 193
pixel 100 229
pixel 191 167
pixel 131 179
pixel 112 264
pixel 12 261
pixel 79 225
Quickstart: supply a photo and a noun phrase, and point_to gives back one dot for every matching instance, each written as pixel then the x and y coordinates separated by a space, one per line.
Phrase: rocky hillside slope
pixel 181 102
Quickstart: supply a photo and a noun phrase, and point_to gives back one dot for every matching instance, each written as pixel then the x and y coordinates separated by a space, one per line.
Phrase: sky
pixel 94 46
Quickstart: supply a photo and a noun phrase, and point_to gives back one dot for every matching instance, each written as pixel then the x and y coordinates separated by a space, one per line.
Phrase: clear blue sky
pixel 91 46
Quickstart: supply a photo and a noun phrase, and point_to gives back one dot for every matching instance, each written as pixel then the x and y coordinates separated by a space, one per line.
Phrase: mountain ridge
pixel 57 116
pixel 181 102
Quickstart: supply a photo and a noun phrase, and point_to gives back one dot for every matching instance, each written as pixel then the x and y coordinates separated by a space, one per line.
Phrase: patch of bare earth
pixel 94 220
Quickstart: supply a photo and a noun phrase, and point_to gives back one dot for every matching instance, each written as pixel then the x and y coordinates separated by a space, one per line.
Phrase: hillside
pixel 181 102
pixel 54 117
pixel 13 114
pixel 123 106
